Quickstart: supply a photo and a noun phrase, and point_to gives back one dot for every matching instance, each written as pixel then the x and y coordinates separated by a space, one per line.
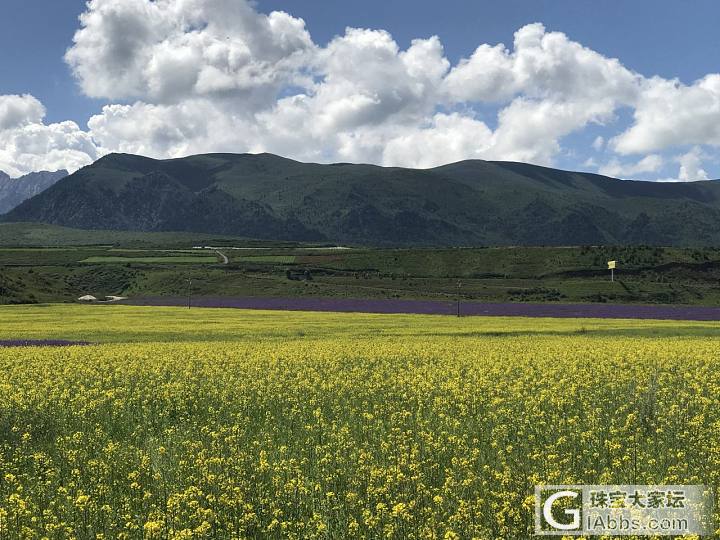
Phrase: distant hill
pixel 467 203
pixel 13 191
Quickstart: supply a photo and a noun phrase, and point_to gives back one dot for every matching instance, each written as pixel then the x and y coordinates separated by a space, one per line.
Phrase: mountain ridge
pixel 471 202
pixel 14 191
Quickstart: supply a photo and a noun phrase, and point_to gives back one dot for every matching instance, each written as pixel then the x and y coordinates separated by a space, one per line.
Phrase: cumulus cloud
pixel 691 166
pixel 164 51
pixel 18 111
pixel 191 76
pixel 359 98
pixel 557 86
pixel 648 164
pixel 543 64
pixel 160 131
pixel 669 114
pixel 28 144
pixel 446 139
pixel 368 90
pixel 531 130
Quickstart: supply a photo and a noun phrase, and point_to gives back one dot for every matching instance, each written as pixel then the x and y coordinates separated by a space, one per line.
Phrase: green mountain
pixel 467 203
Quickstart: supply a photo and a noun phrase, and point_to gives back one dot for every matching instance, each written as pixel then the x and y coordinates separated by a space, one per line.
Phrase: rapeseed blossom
pixel 429 438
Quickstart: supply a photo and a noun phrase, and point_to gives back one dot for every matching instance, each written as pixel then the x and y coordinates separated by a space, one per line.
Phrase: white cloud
pixel 557 86
pixel 28 144
pixel 670 114
pixel 542 65
pixel 354 99
pixel 191 76
pixel 368 90
pixel 530 130
pixel 488 75
pixel 367 80
pixel 160 131
pixel 18 111
pixel 448 138
pixel 648 164
pixel 165 51
pixel 691 166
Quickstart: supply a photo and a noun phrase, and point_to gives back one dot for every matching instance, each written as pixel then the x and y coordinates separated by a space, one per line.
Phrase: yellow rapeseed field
pixel 262 425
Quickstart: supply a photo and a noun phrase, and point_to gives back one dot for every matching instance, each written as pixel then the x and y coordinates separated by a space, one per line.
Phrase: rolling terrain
pixel 470 203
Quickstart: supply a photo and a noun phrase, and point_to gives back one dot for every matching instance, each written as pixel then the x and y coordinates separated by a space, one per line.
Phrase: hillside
pixel 13 191
pixel 466 203
pixel 25 235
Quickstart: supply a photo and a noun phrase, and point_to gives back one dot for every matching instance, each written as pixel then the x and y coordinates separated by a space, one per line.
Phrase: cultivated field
pixel 46 264
pixel 249 424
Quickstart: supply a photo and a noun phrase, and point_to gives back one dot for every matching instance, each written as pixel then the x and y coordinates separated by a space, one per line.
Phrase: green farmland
pixel 163 264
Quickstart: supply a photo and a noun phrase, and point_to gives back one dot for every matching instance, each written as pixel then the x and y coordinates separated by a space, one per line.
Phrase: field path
pixel 435 307
pixel 224 258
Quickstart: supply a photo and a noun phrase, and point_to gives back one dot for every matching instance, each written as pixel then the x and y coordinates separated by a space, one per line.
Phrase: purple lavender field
pixel 430 307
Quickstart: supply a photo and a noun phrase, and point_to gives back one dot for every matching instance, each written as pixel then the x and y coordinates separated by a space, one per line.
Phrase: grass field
pixel 41 235
pixel 236 424
pixel 176 259
pixel 575 274
pixel 281 259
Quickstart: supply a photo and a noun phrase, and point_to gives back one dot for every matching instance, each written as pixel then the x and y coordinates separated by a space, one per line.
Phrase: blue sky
pixel 654 37
pixel 668 39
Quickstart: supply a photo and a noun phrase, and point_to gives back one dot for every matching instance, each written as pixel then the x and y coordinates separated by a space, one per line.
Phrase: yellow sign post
pixel 611 266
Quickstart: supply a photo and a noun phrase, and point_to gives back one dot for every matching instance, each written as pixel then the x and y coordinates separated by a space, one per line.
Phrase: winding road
pixel 224 258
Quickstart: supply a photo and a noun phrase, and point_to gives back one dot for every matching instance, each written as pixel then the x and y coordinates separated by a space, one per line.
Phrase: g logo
pixel 575 513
